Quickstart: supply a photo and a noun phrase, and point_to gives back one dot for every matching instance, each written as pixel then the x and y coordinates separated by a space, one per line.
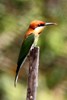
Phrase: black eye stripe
pixel 40 25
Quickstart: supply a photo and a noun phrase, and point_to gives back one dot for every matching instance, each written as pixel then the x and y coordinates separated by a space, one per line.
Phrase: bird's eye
pixel 40 25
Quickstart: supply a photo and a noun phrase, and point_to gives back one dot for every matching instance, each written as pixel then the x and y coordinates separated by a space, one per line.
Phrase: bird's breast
pixel 36 40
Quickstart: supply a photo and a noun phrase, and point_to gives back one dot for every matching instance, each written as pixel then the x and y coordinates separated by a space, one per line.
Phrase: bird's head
pixel 38 26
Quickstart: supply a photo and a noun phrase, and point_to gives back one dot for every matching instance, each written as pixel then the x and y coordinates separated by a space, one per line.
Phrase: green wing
pixel 26 45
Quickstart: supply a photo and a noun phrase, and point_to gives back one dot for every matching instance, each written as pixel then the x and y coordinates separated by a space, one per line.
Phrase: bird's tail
pixel 16 76
pixel 17 72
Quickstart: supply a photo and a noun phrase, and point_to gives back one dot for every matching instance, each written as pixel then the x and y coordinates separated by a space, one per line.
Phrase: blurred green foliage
pixel 15 17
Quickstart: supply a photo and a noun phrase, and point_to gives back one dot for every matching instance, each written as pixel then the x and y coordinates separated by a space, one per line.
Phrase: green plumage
pixel 26 45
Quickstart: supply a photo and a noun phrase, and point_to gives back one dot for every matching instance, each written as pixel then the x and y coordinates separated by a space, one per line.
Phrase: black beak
pixel 50 23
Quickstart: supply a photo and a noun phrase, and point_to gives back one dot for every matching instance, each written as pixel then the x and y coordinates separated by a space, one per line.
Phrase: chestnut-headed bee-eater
pixel 30 39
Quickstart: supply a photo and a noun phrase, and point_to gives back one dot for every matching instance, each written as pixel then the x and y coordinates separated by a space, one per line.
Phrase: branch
pixel 33 74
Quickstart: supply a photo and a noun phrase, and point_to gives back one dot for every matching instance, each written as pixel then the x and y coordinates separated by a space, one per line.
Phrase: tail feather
pixel 16 77
pixel 17 72
pixel 15 81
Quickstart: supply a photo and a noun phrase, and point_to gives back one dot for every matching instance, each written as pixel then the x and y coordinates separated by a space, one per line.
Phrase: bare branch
pixel 33 74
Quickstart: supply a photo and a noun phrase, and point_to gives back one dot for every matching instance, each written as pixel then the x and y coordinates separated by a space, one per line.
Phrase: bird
pixel 30 40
